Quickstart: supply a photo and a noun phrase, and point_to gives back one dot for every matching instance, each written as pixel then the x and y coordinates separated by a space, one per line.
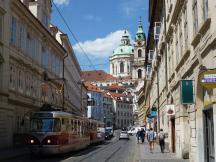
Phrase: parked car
pixel 124 135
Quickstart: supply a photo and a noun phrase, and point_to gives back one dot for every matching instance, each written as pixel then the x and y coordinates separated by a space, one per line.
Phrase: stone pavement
pixel 143 154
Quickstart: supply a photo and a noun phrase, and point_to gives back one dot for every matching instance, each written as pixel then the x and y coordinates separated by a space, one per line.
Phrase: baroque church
pixel 127 60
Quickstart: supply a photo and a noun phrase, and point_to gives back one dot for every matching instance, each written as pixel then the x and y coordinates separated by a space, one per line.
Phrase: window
pixel 45 58
pixel 150 55
pixel 148 69
pixel 139 53
pixel 139 73
pixel 157 30
pixel 121 67
pixel 1 26
pixel 205 9
pixel 195 16
pixel 185 29
pixel 31 46
pixel 21 42
pixel 13 30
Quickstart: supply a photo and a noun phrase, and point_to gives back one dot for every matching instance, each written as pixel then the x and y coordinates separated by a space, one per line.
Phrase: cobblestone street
pixel 113 151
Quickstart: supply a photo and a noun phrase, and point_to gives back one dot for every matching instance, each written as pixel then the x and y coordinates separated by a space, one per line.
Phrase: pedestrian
pixel 161 137
pixel 150 138
pixel 138 135
pixel 142 135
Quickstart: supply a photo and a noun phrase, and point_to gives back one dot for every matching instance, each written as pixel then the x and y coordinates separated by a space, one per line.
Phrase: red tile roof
pixel 91 87
pixel 115 95
pixel 97 75
pixel 115 87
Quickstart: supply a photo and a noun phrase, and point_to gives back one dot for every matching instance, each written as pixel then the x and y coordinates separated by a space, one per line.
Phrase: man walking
pixel 150 138
pixel 142 135
pixel 161 136
pixel 138 135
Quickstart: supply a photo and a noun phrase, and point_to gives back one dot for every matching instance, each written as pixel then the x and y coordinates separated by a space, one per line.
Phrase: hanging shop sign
pixel 170 110
pixel 187 92
pixel 208 79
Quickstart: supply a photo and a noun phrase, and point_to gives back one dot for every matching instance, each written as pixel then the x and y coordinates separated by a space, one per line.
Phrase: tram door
pixel 209 135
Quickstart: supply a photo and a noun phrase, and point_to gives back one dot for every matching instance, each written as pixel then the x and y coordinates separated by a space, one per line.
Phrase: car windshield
pixel 124 132
pixel 45 125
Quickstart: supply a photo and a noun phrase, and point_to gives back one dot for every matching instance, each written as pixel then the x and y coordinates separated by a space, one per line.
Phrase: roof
pixel 114 87
pixel 97 75
pixel 91 87
pixel 116 95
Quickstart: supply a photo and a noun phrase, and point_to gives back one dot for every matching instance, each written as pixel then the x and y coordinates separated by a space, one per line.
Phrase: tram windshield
pixel 45 125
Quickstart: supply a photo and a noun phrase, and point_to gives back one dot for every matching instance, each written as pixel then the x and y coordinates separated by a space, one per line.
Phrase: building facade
pixel 31 60
pixel 95 106
pixel 123 107
pixel 182 37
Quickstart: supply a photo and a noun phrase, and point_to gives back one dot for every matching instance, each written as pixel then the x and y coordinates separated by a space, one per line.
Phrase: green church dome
pixel 121 50
pixel 125 47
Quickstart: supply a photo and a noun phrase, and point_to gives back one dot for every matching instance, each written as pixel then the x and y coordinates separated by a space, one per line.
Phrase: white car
pixel 124 135
pixel 134 130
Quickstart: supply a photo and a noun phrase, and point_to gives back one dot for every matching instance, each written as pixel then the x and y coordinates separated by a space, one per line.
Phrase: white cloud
pixel 131 7
pixel 101 47
pixel 92 18
pixel 61 2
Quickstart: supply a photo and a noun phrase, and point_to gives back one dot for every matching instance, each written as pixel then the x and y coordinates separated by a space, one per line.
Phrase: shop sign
pixel 170 110
pixel 187 92
pixel 208 79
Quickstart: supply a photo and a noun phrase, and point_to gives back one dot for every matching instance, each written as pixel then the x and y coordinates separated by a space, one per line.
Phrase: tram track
pixel 115 143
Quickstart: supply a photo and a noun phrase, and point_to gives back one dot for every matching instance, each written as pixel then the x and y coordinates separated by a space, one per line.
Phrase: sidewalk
pixel 9 153
pixel 144 155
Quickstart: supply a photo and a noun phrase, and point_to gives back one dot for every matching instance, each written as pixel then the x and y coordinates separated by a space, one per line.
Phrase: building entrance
pixel 173 134
pixel 209 135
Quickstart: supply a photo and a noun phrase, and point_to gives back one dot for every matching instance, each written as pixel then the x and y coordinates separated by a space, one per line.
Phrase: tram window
pixel 57 125
pixel 45 125
pixel 63 121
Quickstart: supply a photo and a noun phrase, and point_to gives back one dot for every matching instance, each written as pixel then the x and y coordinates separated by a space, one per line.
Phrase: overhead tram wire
pixel 73 35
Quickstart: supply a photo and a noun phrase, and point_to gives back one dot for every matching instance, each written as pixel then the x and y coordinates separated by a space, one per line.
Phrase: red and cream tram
pixel 54 132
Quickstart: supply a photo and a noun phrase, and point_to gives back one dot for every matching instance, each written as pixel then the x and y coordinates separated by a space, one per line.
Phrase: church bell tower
pixel 138 71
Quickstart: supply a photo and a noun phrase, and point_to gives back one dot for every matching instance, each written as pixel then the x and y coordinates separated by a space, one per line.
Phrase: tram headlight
pixel 31 141
pixel 48 141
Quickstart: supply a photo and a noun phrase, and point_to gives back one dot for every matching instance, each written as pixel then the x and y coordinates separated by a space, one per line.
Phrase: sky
pixel 98 26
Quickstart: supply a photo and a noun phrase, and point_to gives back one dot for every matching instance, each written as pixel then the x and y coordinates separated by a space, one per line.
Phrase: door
pixel 173 134
pixel 209 135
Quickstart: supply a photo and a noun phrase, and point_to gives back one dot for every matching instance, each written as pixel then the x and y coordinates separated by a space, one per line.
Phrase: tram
pixel 56 132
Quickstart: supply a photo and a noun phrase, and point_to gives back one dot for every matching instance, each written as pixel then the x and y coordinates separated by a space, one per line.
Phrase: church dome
pixel 125 48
